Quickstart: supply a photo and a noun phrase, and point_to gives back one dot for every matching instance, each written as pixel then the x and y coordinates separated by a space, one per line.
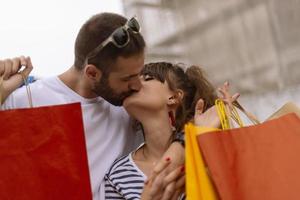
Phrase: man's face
pixel 122 81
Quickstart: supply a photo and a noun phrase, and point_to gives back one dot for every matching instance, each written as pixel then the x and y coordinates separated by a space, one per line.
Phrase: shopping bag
pixel 256 162
pixel 198 183
pixel 43 154
pixel 287 108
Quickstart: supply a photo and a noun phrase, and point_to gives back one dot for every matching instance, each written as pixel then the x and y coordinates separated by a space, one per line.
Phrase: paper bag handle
pixel 225 113
pixel 249 115
pixel 28 91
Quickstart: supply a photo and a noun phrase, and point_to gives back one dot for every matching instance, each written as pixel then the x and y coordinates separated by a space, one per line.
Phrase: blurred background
pixel 254 44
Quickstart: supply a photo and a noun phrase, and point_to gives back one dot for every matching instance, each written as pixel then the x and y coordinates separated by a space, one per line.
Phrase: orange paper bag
pixel 260 162
pixel 43 154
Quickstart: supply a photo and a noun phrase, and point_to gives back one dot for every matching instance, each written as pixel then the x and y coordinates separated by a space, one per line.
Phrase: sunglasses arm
pixel 99 48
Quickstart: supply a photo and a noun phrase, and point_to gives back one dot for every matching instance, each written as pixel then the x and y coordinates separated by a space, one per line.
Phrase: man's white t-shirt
pixel 108 129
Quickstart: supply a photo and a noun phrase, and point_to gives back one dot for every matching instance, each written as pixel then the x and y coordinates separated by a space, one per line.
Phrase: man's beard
pixel 103 89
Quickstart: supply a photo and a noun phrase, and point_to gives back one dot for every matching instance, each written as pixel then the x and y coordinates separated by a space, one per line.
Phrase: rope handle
pixel 225 114
pixel 249 115
pixel 28 91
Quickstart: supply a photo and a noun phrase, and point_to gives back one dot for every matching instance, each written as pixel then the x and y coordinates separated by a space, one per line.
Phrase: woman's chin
pixel 132 106
pixel 126 102
pixel 133 111
pixel 129 105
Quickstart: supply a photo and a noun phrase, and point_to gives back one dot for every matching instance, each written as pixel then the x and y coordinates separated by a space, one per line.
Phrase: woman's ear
pixel 92 72
pixel 176 98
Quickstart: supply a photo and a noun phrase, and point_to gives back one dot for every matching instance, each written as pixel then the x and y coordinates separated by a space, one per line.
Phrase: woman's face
pixel 153 96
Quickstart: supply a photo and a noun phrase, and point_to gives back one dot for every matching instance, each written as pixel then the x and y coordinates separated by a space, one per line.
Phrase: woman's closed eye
pixel 148 77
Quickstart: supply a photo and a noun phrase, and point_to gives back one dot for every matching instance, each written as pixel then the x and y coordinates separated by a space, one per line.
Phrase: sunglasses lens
pixel 120 36
pixel 134 25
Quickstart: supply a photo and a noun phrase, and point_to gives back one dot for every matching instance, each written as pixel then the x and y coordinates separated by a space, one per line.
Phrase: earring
pixel 173 100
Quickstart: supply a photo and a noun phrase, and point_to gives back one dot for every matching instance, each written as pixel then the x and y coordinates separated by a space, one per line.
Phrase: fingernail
pixel 146 182
pixel 182 169
pixel 168 159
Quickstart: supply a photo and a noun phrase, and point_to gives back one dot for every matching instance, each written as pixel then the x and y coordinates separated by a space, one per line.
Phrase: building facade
pixel 255 44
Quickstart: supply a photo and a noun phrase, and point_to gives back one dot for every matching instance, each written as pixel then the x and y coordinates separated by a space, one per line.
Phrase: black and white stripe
pixel 125 180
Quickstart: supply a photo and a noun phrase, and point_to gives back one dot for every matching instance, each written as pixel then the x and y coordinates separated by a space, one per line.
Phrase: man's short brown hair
pixel 96 30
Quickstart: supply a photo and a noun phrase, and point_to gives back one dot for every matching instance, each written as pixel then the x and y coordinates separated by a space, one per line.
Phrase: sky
pixel 46 30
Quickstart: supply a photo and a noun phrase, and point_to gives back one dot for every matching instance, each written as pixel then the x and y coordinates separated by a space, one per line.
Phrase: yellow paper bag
pixel 198 183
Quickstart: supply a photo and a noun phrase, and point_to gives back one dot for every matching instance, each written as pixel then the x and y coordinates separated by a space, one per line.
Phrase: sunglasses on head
pixel 120 37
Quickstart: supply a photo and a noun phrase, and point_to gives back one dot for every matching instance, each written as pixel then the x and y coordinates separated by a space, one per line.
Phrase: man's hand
pixel 11 74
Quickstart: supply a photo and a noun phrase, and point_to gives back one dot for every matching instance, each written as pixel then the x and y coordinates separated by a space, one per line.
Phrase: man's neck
pixel 76 81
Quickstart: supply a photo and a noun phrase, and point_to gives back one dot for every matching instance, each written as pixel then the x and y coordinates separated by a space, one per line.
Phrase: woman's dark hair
pixel 191 81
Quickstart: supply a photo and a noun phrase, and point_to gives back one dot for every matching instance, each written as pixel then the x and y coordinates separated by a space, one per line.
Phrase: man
pixel 109 55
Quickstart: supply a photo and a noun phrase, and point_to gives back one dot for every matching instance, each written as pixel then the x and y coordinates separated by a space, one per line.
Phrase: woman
pixel 166 101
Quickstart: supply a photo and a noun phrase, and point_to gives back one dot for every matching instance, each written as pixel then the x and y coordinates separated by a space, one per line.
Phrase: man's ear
pixel 176 98
pixel 92 72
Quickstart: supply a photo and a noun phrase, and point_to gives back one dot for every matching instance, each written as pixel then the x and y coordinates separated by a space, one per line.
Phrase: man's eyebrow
pixel 131 76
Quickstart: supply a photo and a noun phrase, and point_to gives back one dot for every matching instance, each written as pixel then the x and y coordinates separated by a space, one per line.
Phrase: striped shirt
pixel 125 180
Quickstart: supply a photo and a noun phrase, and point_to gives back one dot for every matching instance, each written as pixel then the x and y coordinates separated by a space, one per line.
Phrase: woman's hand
pixel 164 184
pixel 226 97
pixel 210 117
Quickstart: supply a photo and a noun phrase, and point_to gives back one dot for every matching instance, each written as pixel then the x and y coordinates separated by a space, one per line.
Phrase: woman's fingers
pixel 226 96
pixel 175 184
pixel 180 183
pixel 155 180
pixel 176 195
pixel 169 191
pixel 235 97
pixel 174 175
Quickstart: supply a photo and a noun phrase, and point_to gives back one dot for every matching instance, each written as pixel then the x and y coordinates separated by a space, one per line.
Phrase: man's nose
pixel 135 84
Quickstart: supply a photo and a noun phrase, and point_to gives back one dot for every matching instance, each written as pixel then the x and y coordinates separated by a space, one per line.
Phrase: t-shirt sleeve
pixel 17 99
pixel 111 191
pixel 8 103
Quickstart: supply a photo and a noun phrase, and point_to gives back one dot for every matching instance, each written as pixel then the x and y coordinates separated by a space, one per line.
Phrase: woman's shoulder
pixel 119 164
pixel 122 166
pixel 124 178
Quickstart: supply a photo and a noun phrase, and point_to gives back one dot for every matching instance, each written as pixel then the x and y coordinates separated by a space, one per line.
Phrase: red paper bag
pixel 260 162
pixel 43 154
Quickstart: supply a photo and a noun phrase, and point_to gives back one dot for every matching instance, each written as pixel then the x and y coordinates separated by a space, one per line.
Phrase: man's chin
pixel 118 101
pixel 115 102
